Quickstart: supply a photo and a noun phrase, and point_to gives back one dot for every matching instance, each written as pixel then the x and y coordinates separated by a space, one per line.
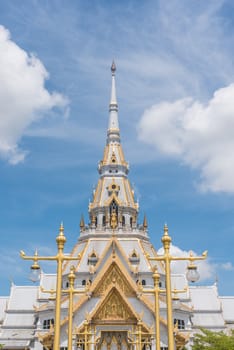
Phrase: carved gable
pixel 115 277
pixel 114 308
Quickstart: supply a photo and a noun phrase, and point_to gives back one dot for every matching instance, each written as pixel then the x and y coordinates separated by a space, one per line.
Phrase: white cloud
pixel 228 266
pixel 199 134
pixel 23 96
pixel 205 268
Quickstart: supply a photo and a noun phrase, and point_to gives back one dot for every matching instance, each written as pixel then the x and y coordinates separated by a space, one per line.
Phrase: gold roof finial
pixel 61 228
pixel 61 239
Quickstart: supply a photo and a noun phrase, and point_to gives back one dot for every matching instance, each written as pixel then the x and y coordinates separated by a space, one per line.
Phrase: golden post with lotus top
pixel 60 257
pixel 192 275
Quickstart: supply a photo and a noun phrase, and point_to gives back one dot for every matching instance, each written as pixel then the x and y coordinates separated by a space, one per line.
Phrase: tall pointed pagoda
pixel 113 205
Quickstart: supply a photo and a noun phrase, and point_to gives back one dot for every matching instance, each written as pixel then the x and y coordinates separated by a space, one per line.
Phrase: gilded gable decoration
pixel 114 276
pixel 114 308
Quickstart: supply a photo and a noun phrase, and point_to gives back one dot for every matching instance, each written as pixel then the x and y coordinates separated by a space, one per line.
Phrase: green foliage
pixel 213 340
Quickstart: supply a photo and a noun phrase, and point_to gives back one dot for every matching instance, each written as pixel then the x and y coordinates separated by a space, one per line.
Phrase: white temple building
pixel 114 303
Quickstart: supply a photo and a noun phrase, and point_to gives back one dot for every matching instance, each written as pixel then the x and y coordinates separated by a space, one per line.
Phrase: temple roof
pixel 228 308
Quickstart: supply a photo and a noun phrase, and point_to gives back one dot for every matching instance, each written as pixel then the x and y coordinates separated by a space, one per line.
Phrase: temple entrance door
pixel 113 341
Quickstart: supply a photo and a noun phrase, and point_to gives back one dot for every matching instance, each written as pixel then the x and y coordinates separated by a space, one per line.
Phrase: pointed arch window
pixel 134 257
pixel 93 258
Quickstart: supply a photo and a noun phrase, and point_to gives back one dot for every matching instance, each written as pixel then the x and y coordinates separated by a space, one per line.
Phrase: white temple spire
pixel 113 101
pixel 113 206
pixel 113 128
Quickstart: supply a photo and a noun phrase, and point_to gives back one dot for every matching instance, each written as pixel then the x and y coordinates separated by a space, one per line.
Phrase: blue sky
pixel 175 91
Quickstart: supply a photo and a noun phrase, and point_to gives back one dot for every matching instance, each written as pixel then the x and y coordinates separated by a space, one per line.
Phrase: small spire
pixel 82 224
pixel 61 239
pixel 145 223
pixel 61 228
pixel 166 239
pixel 113 101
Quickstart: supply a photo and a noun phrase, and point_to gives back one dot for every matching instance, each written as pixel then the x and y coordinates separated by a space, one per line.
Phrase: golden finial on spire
pixel 166 239
pixel 61 239
pixel 165 229
pixel 61 228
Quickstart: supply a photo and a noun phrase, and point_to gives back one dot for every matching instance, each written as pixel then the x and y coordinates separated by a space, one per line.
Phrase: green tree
pixel 213 340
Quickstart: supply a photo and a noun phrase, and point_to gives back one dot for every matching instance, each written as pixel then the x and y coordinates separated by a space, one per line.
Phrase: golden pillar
pixel 60 257
pixel 192 276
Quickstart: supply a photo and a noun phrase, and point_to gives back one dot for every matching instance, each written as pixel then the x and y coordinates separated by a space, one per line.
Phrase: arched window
pixel 131 221
pixel 123 220
pixel 83 282
pixel 104 220
pixel 93 258
pixel 143 282
pixel 134 258
pixel 147 345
